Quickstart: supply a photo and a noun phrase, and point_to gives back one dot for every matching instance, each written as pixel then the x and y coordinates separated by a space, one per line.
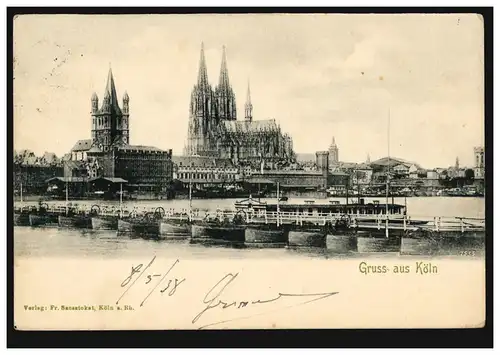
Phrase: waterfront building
pixel 31 176
pixel 454 172
pixel 109 153
pixel 479 163
pixel 306 161
pixel 388 164
pixel 27 157
pixel 362 174
pixel 401 170
pixel 418 174
pixel 297 180
pixel 215 131
pixel 31 171
pixel 203 172
pixel 432 174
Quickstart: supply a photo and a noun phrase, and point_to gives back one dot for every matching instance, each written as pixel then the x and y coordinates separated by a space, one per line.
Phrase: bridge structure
pixel 368 222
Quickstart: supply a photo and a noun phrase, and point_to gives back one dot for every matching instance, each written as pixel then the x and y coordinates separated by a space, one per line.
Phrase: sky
pixel 320 76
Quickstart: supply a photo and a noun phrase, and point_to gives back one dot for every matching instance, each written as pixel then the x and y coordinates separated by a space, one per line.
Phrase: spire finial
pixel 202 70
pixel 249 99
pixel 110 86
pixel 224 75
pixel 248 104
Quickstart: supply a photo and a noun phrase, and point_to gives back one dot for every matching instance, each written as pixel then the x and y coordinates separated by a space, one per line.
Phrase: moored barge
pixel 21 217
pixel 219 228
pixel 75 221
pixel 43 217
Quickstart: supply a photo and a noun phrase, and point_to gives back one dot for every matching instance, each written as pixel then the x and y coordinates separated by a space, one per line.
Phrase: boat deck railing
pixel 361 221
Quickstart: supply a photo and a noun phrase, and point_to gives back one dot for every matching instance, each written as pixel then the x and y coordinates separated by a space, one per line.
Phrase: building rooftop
pixel 82 145
pixel 198 161
pixel 110 179
pixel 393 161
pixel 289 172
pixel 50 158
pixel 251 126
pixel 94 149
pixel 143 148
pixel 67 179
pixel 364 166
pixel 258 180
pixel 74 164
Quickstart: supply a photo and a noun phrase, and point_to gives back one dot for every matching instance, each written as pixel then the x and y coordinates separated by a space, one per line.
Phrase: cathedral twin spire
pixel 224 94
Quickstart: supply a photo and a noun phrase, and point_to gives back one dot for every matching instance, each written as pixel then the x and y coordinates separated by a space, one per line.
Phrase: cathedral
pixel 215 131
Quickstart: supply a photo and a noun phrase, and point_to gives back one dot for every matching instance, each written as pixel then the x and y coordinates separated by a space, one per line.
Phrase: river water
pixel 48 242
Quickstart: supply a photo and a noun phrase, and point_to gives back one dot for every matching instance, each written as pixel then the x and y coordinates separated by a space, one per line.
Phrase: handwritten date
pixel 148 278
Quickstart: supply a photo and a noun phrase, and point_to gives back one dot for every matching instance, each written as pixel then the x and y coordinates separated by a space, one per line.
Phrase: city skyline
pixel 419 68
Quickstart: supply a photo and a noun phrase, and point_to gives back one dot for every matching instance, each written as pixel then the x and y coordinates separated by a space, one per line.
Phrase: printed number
pixel 468 253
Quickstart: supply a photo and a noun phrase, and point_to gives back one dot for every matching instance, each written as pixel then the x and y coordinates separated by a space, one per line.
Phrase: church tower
pixel 333 153
pixel 124 124
pixel 226 100
pixel 202 111
pixel 109 123
pixel 248 105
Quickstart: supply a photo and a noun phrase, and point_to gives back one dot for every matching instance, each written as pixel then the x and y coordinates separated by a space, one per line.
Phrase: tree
pixel 469 175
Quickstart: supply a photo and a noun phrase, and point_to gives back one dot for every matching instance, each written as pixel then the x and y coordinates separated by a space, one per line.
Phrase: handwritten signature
pixel 213 298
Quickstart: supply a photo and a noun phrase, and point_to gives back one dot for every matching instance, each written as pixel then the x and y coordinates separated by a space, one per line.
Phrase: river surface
pixel 49 242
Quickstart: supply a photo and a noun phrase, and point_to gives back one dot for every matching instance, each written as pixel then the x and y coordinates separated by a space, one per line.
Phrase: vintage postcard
pixel 242 171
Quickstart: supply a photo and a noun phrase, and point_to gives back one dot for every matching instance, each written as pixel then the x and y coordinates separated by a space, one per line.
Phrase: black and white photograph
pixel 249 171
